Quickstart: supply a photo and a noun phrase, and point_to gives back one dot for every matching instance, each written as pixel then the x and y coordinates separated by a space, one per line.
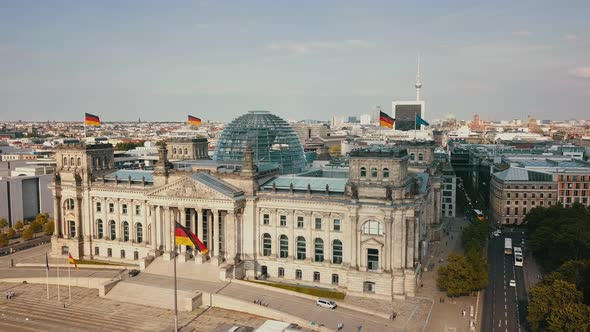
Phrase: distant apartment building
pixel 26 193
pixel 308 131
pixel 574 187
pixel 449 192
pixel 515 191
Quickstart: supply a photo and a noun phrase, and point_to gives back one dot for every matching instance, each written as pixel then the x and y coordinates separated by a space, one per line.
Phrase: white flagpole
pixel 69 283
pixel 58 280
pixel 175 292
pixel 47 273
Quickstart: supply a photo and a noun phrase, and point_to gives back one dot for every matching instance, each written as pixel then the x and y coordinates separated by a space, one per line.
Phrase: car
pixel 512 283
pixel 329 304
pixel 133 273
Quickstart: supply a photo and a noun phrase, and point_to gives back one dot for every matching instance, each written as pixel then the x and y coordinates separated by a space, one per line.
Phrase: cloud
pixel 237 90
pixel 580 72
pixel 304 48
pixel 203 26
pixel 522 33
pixel 570 37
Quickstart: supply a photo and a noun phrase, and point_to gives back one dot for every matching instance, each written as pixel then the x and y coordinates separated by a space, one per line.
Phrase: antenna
pixel 418 83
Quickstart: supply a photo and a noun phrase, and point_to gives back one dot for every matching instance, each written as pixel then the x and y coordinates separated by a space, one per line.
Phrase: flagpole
pixel 47 274
pixel 415 127
pixel 58 280
pixel 69 284
pixel 175 292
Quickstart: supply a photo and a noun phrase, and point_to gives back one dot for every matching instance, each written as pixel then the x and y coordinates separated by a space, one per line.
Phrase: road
pixel 504 307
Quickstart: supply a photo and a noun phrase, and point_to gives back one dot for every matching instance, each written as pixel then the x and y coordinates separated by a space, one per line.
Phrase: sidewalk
pixel 447 316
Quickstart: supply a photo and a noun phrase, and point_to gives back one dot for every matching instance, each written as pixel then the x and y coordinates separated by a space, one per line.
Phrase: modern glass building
pixel 272 139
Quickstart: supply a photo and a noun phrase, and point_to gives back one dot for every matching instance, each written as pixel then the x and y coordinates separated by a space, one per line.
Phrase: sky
pixel 163 60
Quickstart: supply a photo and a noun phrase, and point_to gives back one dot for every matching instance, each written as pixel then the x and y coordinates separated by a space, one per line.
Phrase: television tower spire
pixel 418 83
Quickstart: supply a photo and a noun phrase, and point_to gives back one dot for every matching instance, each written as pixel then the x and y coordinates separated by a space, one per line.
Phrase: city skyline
pixel 217 60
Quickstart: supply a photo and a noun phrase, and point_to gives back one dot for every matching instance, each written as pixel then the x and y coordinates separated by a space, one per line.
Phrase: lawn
pixel 313 291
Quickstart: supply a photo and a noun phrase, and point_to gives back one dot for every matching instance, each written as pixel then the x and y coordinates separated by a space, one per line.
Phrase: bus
pixel 518 259
pixel 508 246
pixel 478 214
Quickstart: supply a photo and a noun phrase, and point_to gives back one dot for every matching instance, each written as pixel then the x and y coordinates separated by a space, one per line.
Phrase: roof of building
pixel 521 174
pixel 136 175
pixel 335 185
pixel 380 151
pixel 217 185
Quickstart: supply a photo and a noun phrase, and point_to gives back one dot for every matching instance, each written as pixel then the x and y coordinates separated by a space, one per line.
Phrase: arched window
pixel 412 156
pixel 100 229
pixel 319 250
pixel 420 156
pixel 266 244
pixel 372 227
pixel 174 150
pixel 363 171
pixel 139 232
pixel 69 204
pixel 300 248
pixel 65 161
pixel 185 151
pixel 284 246
pixel 72 161
pixel 374 172
pixel 125 231
pixel 79 162
pixel 336 252
pixel 386 172
pixel 113 228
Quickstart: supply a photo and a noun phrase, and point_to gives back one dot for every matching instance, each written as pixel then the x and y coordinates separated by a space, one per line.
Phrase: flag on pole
pixel 91 120
pixel 72 261
pixel 46 263
pixel 385 120
pixel 420 121
pixel 184 236
pixel 193 120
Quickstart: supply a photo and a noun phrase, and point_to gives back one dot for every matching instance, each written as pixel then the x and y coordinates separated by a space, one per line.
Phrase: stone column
pixel 230 236
pixel 216 259
pixel 153 229
pixel 78 216
pixel 210 232
pixel 193 224
pixel 118 222
pixel 387 247
pixel 291 224
pixel 200 258
pixel 167 233
pixel 57 216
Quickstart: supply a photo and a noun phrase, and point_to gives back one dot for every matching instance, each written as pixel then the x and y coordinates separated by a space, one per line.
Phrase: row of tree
pixel 126 146
pixel 42 223
pixel 560 243
pixel 466 273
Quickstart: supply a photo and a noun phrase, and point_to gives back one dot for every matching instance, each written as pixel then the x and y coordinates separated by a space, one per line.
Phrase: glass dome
pixel 272 139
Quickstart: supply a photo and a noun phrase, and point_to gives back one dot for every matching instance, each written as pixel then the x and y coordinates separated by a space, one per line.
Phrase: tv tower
pixel 418 83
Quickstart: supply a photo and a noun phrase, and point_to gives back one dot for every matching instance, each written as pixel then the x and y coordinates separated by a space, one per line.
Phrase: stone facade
pixel 188 149
pixel 368 241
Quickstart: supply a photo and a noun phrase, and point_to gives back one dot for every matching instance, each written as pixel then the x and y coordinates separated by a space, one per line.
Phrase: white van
pixel 326 303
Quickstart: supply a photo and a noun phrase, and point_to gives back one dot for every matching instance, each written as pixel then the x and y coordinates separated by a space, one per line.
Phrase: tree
pixel 42 218
pixel 48 228
pixel 457 277
pixel 3 222
pixel 575 272
pixel 546 299
pixel 335 150
pixel 125 146
pixel 28 233
pixel 11 233
pixel 19 225
pixel 570 317
pixel 36 226
pixel 3 240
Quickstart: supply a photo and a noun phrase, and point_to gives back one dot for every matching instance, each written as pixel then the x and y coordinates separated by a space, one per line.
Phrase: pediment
pixel 188 188
pixel 372 242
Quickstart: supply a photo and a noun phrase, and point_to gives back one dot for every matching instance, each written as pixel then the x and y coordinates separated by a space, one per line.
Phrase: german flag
pixel 184 236
pixel 193 120
pixel 72 261
pixel 385 120
pixel 91 120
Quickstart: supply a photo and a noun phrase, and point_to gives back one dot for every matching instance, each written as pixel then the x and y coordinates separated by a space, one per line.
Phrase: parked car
pixel 133 272
pixel 329 304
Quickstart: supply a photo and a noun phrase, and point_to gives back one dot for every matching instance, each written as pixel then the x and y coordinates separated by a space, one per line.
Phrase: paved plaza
pixel 30 310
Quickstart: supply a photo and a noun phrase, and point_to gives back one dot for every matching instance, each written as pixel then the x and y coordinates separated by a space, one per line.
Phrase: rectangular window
pixel 96 251
pixel 109 252
pixel 283 220
pixel 137 210
pixel 369 287
pixel 337 225
pixel 335 279
pixel 372 259
pixel 298 274
pixel 98 207
pixel 508 210
pixel 122 253
pixel 124 209
pixel 516 211
pixel 281 273
pixel 316 276
pixel 266 219
pixel 111 208
pixel 300 223
pixel 318 223
pixel 507 202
